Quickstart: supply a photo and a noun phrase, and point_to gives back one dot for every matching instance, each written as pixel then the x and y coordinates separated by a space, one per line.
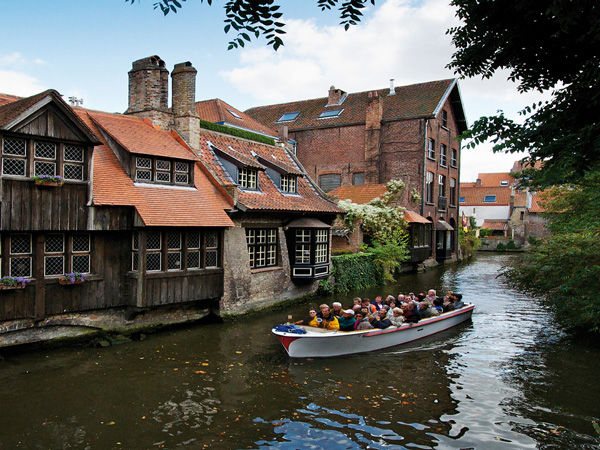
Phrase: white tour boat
pixel 319 343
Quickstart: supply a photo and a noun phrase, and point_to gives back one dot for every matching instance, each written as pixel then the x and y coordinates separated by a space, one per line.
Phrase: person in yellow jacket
pixel 325 319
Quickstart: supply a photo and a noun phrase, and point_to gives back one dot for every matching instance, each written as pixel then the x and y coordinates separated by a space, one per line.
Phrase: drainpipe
pixel 424 176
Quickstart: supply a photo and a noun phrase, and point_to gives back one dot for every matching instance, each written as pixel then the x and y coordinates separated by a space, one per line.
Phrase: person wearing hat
pixel 347 320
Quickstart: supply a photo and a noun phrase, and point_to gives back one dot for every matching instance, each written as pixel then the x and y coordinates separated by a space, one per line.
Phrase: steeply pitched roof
pixel 413 101
pixel 217 111
pixel 537 203
pixel 268 198
pixel 202 205
pixel 15 110
pixel 474 196
pixel 138 135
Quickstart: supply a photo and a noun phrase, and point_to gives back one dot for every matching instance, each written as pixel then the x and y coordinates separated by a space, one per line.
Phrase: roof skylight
pixel 288 117
pixel 234 114
pixel 330 113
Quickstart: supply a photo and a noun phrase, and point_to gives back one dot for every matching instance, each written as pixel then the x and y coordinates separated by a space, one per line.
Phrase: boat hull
pixel 325 344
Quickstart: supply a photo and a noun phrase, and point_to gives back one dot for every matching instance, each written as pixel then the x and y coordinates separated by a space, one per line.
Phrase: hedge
pixel 237 132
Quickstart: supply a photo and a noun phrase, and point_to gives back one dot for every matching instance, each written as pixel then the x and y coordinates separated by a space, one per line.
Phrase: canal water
pixel 510 379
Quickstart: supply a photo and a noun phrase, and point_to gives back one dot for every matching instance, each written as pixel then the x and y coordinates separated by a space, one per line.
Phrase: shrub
pixel 352 272
pixel 501 247
pixel 511 245
pixel 484 232
pixel 235 132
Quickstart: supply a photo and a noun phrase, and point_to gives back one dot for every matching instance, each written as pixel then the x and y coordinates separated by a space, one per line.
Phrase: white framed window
pixel 247 177
pixel 431 148
pixel 429 187
pixel 454 158
pixel 263 247
pixel 443 155
pixel 288 183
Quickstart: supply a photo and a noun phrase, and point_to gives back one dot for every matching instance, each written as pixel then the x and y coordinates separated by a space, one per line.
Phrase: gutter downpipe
pixel 424 172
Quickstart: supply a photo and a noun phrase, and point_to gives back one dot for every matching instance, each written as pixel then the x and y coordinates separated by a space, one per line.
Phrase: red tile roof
pixel 359 193
pixel 200 206
pixel 474 195
pixel 495 224
pixel 494 179
pixel 413 217
pixel 217 111
pixel 537 203
pixel 413 101
pixel 138 135
pixel 268 198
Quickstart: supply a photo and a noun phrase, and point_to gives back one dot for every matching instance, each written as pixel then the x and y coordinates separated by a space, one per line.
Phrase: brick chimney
pixel 185 120
pixel 184 89
pixel 335 96
pixel 374 114
pixel 149 90
pixel 282 133
pixel 478 182
pixel 148 86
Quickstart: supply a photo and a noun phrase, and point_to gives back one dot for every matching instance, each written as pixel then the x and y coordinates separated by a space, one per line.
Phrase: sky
pixel 85 48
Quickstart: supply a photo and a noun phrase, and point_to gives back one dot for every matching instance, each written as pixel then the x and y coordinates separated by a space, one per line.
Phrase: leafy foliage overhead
pixel 550 46
pixel 263 17
pixel 564 268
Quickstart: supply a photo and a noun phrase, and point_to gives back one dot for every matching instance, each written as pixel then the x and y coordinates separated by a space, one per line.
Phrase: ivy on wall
pixel 352 272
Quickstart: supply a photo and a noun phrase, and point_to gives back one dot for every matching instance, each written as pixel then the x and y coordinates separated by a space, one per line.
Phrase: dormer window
pixel 489 199
pixel 248 178
pixel 164 171
pixel 289 183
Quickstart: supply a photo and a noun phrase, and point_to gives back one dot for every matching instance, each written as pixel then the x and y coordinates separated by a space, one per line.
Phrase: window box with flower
pixel 69 279
pixel 7 283
pixel 49 180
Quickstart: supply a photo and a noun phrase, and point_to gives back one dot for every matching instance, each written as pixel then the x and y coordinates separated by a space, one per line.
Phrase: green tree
pixel 564 269
pixel 547 46
pixel 256 18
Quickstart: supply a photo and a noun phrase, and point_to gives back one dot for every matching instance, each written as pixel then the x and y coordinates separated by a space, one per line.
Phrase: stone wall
pixel 249 290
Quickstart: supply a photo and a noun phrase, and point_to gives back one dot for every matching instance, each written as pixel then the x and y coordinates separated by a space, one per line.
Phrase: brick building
pixel 153 209
pixel 408 133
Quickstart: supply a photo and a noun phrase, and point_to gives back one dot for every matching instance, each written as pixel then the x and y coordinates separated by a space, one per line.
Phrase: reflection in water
pixel 508 380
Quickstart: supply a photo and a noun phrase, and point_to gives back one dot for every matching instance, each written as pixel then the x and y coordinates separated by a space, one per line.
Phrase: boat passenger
pixel 431 295
pixel 385 311
pixel 337 309
pixel 379 322
pixel 362 322
pixel 398 318
pixel 312 313
pixel 458 303
pixel 347 320
pixel 426 311
pixel 448 304
pixel 366 303
pixel 438 304
pixel 411 314
pixel 357 301
pixel 378 302
pixel 401 298
pixel 356 308
pixel 327 320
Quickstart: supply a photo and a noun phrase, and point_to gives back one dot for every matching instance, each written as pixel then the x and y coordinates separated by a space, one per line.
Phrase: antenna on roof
pixel 74 101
